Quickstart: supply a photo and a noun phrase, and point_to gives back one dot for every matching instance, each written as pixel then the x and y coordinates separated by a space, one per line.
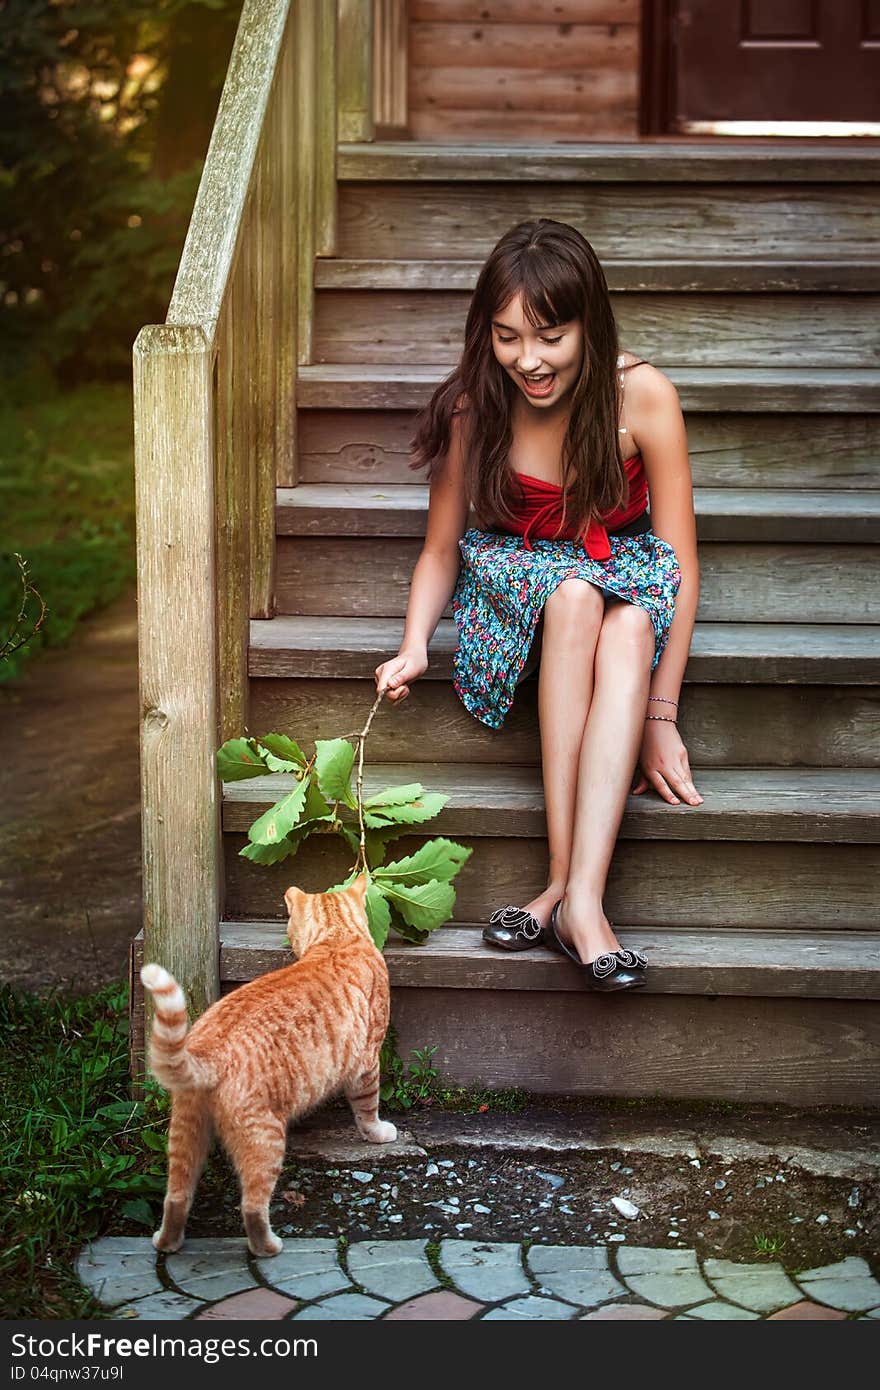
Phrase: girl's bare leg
pixel 573 617
pixel 608 754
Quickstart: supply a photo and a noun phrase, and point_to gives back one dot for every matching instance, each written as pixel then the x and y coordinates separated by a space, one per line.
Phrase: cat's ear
pixel 358 886
pixel 293 897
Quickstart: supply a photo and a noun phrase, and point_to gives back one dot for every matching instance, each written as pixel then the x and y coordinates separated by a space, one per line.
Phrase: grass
pixel 417 1083
pixel 66 506
pixel 78 1157
pixel 768 1245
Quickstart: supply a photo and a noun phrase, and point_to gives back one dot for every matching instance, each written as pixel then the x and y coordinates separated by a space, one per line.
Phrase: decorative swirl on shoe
pixel 519 920
pixel 604 965
pixel 632 960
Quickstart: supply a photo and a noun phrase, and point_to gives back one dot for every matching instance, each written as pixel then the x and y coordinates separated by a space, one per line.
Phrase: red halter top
pixel 539 508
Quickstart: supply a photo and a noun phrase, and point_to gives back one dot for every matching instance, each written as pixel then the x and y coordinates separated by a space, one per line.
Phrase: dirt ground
pixel 70 836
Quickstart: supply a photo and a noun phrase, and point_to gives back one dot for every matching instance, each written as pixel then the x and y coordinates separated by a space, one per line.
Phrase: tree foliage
pixel 105 116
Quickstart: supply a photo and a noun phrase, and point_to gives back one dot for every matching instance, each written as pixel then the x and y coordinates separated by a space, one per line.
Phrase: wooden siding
pixel 522 70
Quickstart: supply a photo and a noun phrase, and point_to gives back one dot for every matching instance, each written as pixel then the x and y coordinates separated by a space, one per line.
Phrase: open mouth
pixel 539 385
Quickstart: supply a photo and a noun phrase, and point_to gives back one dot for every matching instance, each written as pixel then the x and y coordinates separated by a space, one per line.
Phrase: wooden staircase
pixel 759 908
pixel 278 527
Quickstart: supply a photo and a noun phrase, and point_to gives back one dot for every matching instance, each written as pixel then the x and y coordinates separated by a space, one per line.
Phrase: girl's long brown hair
pixel 559 276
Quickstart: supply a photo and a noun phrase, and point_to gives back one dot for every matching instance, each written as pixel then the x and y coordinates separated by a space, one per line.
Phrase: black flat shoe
pixel 614 970
pixel 514 929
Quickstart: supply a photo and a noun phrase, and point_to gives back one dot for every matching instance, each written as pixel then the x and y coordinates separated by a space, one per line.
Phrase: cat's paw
pixel 268 1246
pixel 382 1132
pixel 166 1242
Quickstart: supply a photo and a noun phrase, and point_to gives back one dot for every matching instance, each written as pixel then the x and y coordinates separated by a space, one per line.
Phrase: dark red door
pixel 763 61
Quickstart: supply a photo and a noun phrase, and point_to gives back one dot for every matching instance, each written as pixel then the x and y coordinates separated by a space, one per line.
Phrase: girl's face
pixel 545 362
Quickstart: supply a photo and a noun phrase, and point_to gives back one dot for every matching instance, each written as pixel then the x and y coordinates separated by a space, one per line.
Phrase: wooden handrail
pixel 219 210
pixel 215 435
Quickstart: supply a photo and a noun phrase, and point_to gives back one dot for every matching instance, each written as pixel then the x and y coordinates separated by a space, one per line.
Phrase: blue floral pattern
pixel 502 588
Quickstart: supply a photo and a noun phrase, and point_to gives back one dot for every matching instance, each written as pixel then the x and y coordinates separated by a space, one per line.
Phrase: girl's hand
pixel 663 765
pixel 393 675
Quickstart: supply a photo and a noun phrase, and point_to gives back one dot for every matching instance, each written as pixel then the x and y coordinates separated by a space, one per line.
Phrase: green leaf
pixel 239 758
pixel 334 759
pixel 438 859
pixel 376 842
pixel 421 905
pixel 352 839
pixel 282 754
pixel 375 822
pixel 412 813
pixel 395 796
pixel 138 1210
pixel 280 818
pixel 273 854
pixel 378 915
pixel 316 807
pixel 154 1140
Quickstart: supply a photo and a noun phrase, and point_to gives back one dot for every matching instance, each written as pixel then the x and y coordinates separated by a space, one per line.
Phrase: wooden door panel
pixel 771 60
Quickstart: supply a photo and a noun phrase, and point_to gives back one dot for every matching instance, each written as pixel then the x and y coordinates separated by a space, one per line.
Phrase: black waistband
pixel 634 528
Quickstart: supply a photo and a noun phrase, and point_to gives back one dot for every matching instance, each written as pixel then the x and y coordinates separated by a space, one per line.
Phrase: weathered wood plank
pixel 232 524
pixel 805 804
pixel 695 330
pixel 804 1053
pixel 649 161
pixel 325 131
pixel 448 221
pixel 670 883
pixel 723 514
pixel 758 653
pixel 732 450
pixel 177 665
pixel 389 386
pixel 390 65
pixel 718 276
pixel 217 219
pixel 803 965
pixel 525 11
pixel 722 725
pixel 489 89
pixel 306 31
pixel 355 70
pixel 766 583
pixel 610 121
pixel 511 46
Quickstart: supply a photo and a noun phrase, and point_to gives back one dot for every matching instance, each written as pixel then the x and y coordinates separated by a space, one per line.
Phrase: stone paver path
pixel 454 1280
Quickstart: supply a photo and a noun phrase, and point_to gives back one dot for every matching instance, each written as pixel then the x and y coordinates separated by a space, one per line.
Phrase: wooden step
pixel 759 653
pixel 740 1018
pixel 782 725
pixel 671 330
pixel 728 449
pixel 647 220
pixel 723 514
pixel 772 583
pixel 802 804
pixel 389 386
pixel 749 884
pixel 645 161
pixel 721 276
pixel 793 964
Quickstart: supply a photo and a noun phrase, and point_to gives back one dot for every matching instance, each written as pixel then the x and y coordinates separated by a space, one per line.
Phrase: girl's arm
pixel 436 571
pixel 659 432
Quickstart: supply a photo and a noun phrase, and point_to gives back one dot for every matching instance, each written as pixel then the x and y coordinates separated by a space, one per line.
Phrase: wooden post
pixel 325 142
pixel 355 70
pixel 390 35
pixel 177 658
pixel 306 121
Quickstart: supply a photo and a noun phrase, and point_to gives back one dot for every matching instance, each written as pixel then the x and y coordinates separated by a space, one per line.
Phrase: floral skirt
pixel 500 595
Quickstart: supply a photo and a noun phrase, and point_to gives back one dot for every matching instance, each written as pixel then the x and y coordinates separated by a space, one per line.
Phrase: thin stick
pixel 362 738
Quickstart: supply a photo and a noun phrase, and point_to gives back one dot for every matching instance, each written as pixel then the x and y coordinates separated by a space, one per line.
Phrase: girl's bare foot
pixel 583 925
pixel 541 906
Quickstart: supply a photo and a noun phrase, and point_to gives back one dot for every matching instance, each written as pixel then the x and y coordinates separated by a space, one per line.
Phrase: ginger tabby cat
pixel 270 1051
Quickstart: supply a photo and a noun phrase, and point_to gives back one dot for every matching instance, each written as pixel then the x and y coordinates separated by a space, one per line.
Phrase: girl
pixel 554 439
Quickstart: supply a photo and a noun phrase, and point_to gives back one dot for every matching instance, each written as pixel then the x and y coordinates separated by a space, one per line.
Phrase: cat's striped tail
pixel 170 1061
